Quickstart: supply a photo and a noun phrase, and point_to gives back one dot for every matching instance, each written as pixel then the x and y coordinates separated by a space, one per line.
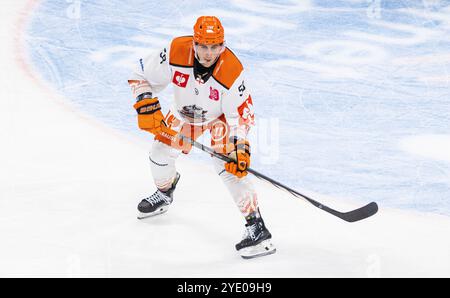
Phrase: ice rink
pixel 352 105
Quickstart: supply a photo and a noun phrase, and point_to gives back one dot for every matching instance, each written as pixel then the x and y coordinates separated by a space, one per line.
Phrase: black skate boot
pixel 256 241
pixel 158 202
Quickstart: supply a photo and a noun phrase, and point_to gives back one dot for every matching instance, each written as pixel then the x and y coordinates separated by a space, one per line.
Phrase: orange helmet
pixel 208 30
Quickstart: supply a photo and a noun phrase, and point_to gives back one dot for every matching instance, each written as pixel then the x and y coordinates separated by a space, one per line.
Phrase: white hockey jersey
pixel 224 94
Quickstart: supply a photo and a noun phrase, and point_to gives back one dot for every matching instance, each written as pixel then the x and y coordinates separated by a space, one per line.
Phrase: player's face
pixel 208 54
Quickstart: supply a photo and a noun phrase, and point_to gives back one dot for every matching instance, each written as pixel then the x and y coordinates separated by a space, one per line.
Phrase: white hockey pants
pixel 162 160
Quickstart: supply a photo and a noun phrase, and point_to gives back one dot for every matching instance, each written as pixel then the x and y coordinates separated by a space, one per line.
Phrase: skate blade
pixel 262 249
pixel 142 215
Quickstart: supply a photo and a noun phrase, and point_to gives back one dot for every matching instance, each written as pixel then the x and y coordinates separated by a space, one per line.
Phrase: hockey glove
pixel 150 117
pixel 240 154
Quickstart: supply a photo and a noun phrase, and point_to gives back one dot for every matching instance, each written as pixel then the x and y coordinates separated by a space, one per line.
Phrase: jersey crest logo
pixel 213 94
pixel 193 114
pixel 180 79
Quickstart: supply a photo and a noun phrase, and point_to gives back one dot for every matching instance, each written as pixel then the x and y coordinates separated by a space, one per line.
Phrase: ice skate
pixel 158 202
pixel 256 241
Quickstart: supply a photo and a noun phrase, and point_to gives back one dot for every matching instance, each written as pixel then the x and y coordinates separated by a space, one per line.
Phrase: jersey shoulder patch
pixel 182 52
pixel 228 69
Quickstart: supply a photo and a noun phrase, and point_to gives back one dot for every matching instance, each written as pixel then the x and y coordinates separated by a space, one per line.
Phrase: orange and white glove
pixel 239 152
pixel 150 117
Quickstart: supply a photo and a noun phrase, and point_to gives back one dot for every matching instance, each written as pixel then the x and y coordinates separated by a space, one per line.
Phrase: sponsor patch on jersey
pixel 180 79
pixel 163 56
pixel 141 62
pixel 246 111
pixel 241 89
pixel 213 94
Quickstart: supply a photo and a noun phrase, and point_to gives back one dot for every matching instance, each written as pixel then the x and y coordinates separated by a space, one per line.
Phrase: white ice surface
pixel 69 188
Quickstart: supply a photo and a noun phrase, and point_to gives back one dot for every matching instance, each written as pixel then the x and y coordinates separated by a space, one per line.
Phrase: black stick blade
pixel 361 213
pixel 351 216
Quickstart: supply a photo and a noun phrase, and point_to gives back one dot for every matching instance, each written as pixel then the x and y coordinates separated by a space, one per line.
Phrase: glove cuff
pixel 241 145
pixel 147 106
pixel 144 95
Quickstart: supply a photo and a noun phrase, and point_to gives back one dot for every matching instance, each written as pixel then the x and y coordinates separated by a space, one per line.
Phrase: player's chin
pixel 207 63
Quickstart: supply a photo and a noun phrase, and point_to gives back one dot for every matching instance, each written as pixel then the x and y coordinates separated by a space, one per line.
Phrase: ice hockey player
pixel 210 93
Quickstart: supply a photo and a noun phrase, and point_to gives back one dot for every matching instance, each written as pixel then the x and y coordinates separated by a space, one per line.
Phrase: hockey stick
pixel 350 216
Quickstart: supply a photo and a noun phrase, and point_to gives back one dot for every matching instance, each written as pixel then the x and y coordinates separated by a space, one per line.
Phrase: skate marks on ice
pixel 342 76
